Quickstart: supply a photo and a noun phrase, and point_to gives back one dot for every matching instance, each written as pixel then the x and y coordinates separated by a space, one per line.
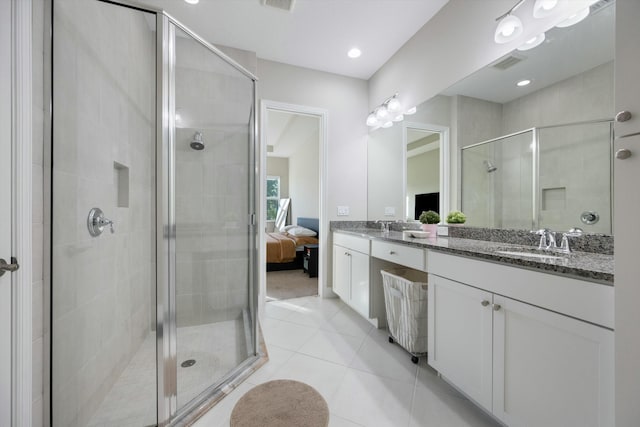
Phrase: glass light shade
pixel 398 118
pixel 192 1
pixel 574 19
pixel 387 124
pixel 382 113
pixel 410 111
pixel 372 120
pixel 544 8
pixel 531 43
pixel 394 105
pixel 508 29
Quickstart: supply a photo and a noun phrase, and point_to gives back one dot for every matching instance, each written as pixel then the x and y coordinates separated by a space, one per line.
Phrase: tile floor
pixel 365 380
pixel 216 347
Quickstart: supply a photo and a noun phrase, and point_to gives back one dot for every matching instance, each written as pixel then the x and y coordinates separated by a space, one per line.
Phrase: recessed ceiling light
pixel 523 82
pixel 192 1
pixel 354 53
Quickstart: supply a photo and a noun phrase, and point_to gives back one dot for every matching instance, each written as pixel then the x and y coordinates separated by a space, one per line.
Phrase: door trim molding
pixel 21 124
pixel 323 290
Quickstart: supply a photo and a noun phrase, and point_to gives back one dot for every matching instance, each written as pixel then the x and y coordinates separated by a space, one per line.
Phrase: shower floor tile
pixel 217 348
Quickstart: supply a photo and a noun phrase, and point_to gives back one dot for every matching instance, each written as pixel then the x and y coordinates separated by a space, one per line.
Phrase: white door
pixel 460 336
pixel 5 212
pixel 626 214
pixel 549 369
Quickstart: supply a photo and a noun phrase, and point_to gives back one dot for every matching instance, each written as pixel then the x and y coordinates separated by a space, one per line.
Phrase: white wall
pixel 423 176
pixel 279 166
pixel 345 98
pixel 304 179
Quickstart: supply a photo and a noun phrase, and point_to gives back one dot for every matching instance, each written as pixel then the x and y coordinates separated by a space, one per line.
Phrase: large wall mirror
pixel 523 155
pixel 409 163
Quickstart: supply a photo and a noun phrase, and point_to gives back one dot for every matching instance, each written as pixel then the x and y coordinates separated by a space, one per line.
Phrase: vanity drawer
pixel 355 243
pixel 400 254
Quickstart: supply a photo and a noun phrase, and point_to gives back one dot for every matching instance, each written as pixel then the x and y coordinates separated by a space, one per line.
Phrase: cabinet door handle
pixel 392 253
pixel 484 303
pixel 496 307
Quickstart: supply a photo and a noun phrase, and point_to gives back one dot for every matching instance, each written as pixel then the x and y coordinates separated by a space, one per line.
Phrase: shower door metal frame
pixel 168 411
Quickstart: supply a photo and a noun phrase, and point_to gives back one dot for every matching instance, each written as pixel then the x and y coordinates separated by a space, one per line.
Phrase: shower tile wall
pixel 211 203
pixel 104 97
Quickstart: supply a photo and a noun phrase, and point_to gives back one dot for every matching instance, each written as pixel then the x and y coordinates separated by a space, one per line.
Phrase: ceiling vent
pixel 508 61
pixel 280 4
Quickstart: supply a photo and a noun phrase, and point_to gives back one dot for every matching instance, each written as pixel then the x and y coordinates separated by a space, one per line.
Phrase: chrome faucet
pixel 384 225
pixel 548 240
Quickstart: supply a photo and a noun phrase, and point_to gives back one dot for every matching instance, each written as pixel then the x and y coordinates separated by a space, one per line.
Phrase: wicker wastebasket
pixel 405 300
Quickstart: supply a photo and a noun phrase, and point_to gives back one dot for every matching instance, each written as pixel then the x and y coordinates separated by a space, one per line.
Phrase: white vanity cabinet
pixel 351 271
pixel 524 363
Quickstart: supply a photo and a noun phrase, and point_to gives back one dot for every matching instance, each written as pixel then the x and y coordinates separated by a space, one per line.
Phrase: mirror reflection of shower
pixel 197 143
pixel 490 166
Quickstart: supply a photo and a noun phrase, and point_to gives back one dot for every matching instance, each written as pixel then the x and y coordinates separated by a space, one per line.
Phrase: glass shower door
pixel 214 240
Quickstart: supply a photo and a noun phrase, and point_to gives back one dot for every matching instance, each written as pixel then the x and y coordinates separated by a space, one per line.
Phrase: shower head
pixel 197 143
pixel 490 166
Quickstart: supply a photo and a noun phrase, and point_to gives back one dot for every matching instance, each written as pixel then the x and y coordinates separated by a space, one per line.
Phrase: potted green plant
pixel 429 220
pixel 456 217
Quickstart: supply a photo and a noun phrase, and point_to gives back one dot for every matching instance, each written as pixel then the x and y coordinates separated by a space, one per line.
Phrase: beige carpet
pixel 290 284
pixel 281 403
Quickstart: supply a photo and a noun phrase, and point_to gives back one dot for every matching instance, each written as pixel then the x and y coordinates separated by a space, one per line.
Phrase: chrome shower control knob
pixel 623 154
pixel 623 116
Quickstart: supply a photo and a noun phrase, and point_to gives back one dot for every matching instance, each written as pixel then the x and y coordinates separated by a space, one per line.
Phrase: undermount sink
pixel 530 254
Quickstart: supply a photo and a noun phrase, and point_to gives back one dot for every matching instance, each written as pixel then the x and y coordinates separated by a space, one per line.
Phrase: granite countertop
pixel 588 266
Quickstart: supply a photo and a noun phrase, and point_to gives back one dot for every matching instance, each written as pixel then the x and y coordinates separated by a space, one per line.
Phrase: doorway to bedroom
pixel 292 203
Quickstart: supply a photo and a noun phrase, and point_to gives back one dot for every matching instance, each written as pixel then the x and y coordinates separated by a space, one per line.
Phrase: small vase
pixel 431 228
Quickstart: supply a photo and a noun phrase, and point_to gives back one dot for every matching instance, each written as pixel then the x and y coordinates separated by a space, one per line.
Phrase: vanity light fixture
pixel 544 8
pixel 382 114
pixel 388 112
pixel 508 29
pixel 523 83
pixel 509 26
pixel 354 52
pixel 533 42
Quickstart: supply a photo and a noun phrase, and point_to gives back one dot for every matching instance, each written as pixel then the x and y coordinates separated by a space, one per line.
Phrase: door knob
pixel 623 116
pixel 8 267
pixel 623 154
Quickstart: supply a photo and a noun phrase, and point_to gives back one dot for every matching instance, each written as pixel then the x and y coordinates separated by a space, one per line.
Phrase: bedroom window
pixel 273 197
